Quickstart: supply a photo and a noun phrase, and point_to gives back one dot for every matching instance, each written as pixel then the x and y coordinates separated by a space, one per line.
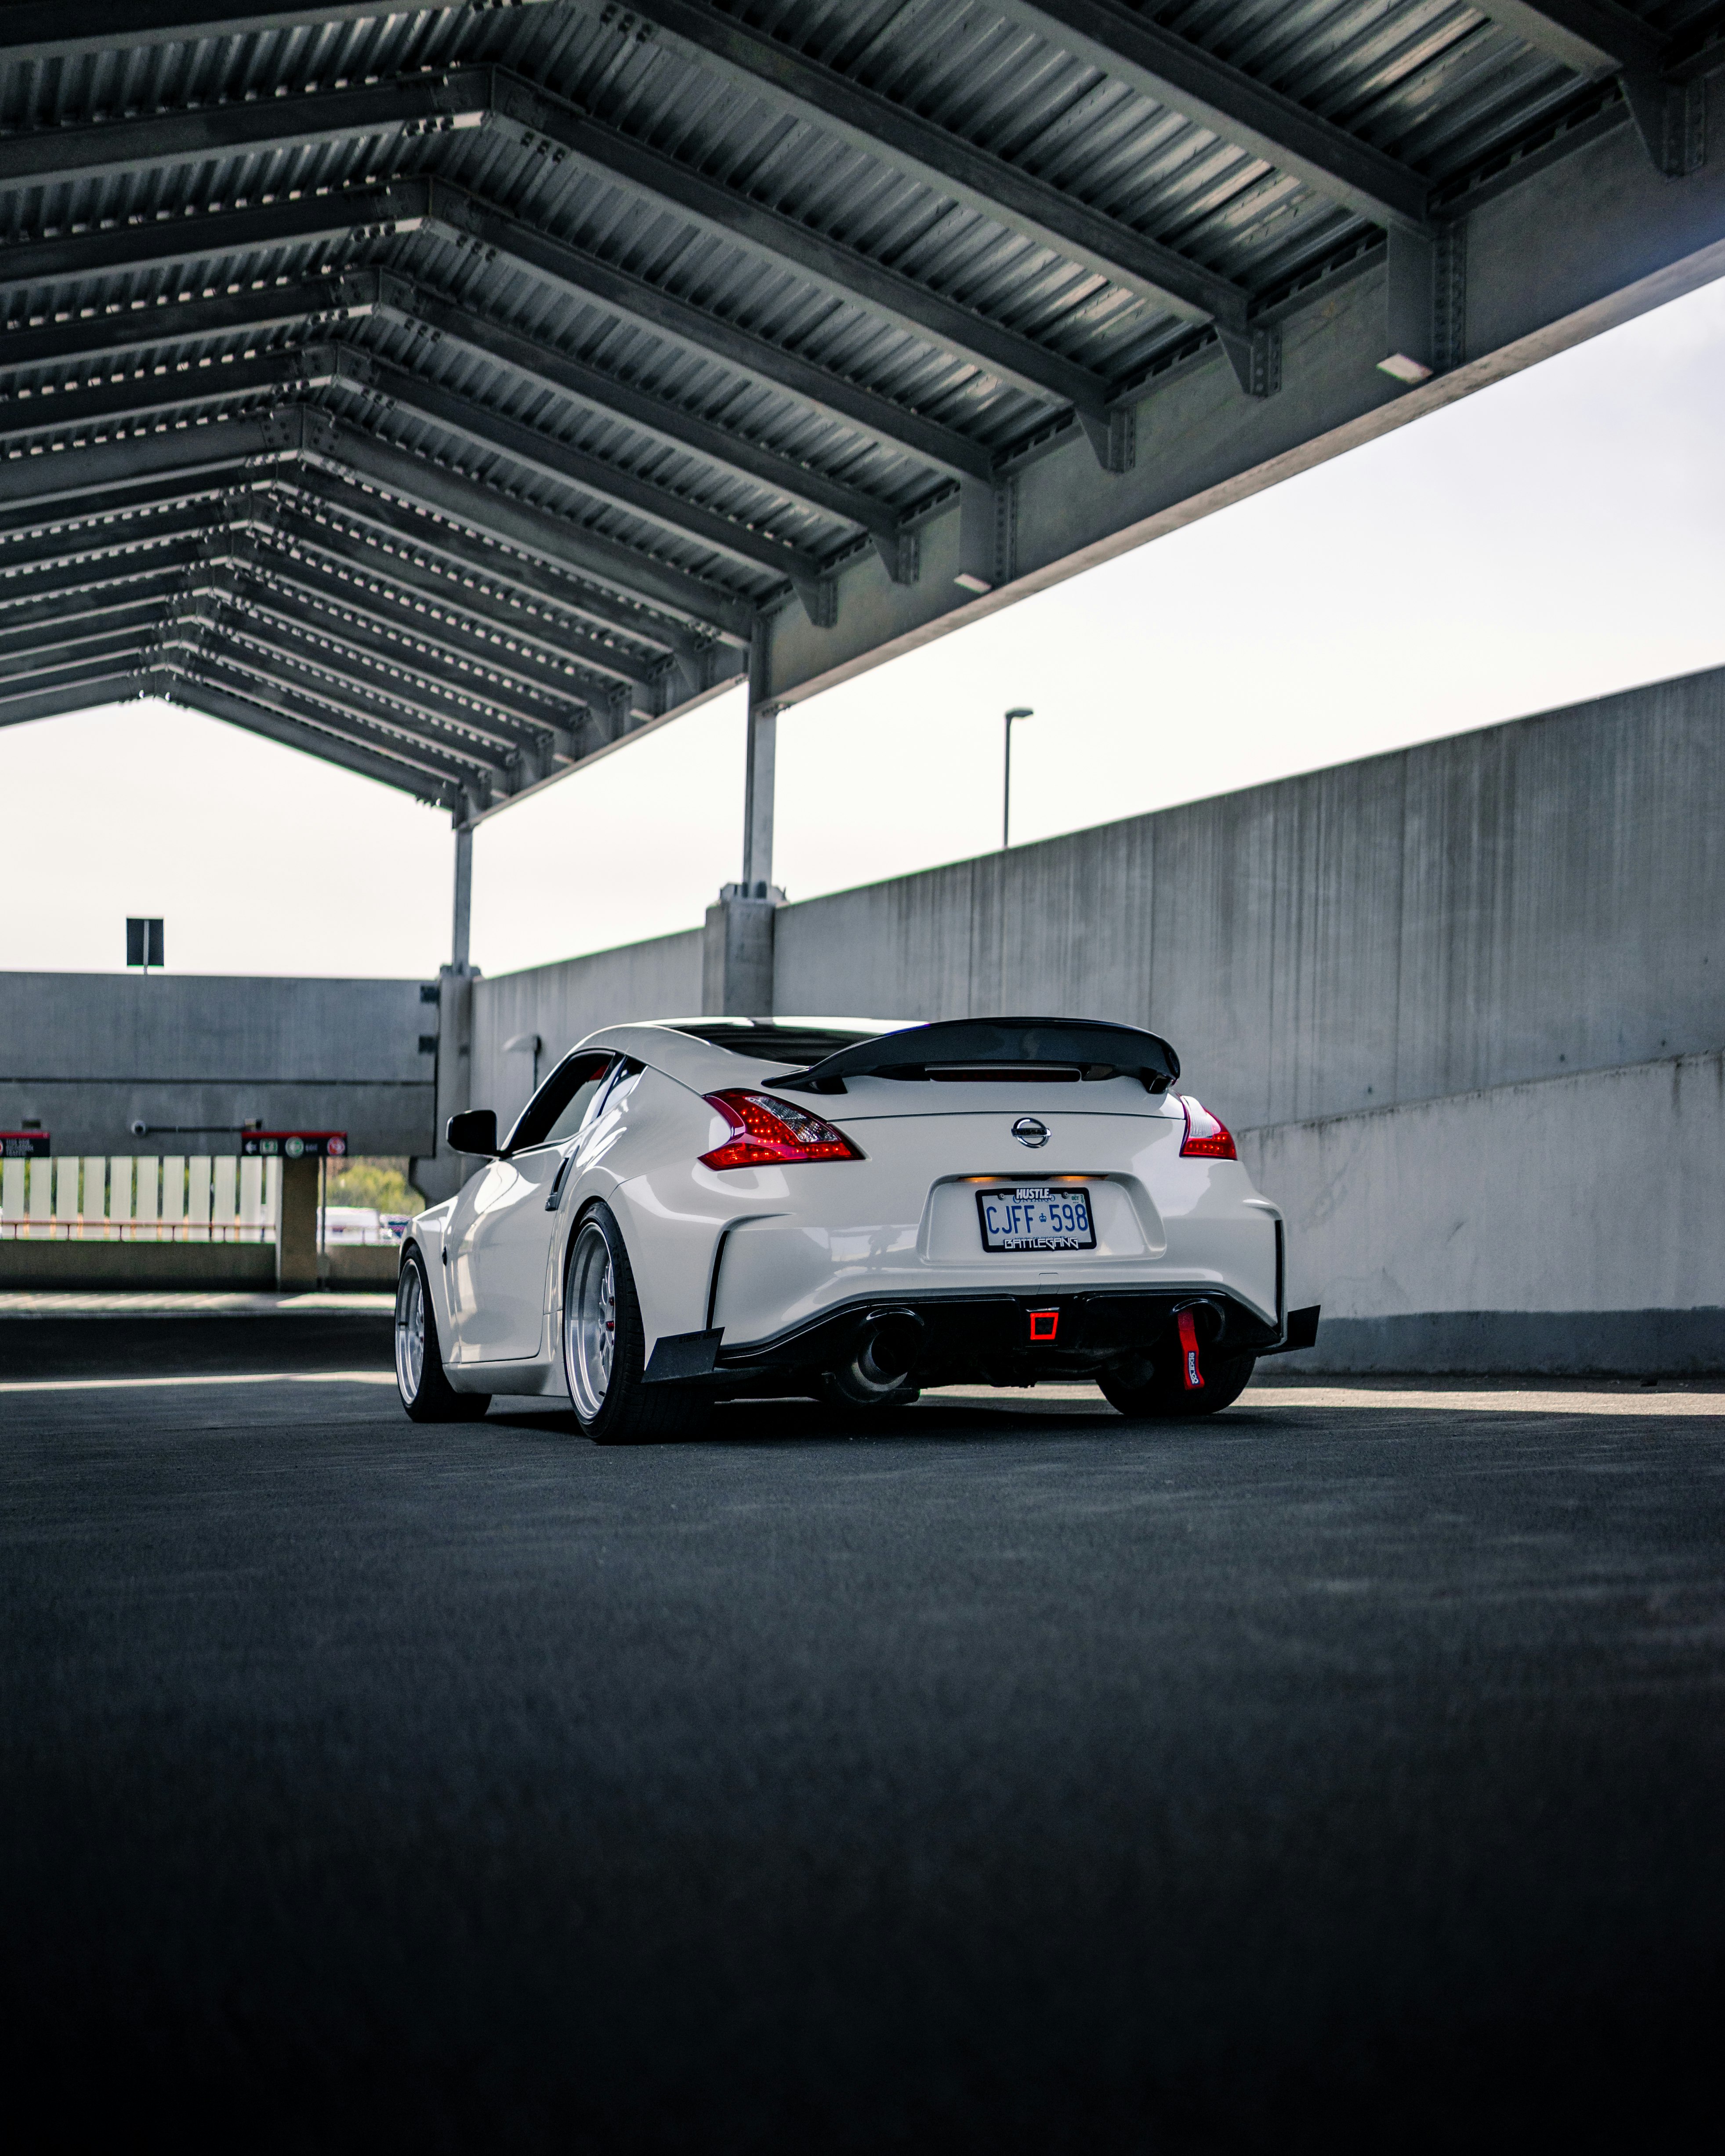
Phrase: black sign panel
pixel 143 941
pixel 294 1145
pixel 23 1145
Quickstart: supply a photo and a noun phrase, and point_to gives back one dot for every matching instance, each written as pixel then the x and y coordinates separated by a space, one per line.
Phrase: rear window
pixel 767 1043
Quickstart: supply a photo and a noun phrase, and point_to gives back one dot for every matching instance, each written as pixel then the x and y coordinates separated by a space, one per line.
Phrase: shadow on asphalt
pixel 1008 1780
pixel 219 1345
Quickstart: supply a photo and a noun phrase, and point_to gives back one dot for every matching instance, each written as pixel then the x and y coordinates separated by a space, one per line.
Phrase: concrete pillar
pixel 440 1174
pixel 737 959
pixel 459 938
pixel 296 1222
pixel 758 776
pixel 757 799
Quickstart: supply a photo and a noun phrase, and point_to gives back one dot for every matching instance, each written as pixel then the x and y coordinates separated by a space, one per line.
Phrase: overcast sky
pixel 1557 536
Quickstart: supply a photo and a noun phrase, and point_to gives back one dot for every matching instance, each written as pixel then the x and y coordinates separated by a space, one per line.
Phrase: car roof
pixel 710 1053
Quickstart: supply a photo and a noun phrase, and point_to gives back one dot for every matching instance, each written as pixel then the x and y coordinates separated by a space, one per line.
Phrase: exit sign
pixel 294 1145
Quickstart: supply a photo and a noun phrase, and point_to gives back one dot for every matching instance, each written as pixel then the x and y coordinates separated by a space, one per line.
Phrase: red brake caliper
pixel 1189 1352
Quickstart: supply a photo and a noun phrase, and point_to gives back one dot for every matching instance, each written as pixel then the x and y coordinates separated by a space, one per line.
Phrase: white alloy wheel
pixel 410 1334
pixel 590 1320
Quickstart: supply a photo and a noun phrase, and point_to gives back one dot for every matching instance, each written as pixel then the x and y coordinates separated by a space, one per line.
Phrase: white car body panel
pixel 757 1251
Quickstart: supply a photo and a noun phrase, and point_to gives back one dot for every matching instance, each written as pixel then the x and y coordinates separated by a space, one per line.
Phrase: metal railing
pixel 139 1198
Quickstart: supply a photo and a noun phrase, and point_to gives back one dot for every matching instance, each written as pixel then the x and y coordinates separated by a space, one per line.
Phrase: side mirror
pixel 474 1131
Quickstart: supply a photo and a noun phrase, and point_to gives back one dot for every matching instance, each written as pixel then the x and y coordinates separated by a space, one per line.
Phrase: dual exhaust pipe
pixel 887 1342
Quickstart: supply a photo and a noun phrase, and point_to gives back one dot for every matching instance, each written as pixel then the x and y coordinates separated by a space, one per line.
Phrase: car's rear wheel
pixel 425 1390
pixel 1144 1393
pixel 604 1344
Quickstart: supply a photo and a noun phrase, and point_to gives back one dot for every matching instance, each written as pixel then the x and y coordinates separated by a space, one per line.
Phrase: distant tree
pixel 382 1183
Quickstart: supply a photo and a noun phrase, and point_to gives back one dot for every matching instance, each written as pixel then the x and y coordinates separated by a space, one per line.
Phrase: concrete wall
pixel 34 1262
pixel 1565 1223
pixel 88 1054
pixel 1464 1003
pixel 1538 898
pixel 657 979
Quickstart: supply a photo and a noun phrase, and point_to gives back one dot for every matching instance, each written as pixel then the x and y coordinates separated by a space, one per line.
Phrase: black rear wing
pixel 973 1048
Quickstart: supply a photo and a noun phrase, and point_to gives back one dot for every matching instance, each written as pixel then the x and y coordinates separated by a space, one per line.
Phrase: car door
pixel 504 1222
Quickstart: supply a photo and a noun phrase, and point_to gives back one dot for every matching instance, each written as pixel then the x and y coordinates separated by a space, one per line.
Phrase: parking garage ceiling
pixel 451 392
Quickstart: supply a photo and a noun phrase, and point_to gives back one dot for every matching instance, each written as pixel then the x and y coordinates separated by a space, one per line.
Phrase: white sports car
pixel 701 1209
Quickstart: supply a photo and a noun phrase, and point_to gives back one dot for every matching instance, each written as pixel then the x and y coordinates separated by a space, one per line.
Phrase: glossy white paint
pixel 756 1250
pixel 498 1241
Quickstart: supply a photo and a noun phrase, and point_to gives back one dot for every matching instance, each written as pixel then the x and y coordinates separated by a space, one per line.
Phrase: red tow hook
pixel 1189 1352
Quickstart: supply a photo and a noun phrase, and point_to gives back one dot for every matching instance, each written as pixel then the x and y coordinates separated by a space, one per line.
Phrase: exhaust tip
pixel 887 1343
pixel 1210 1319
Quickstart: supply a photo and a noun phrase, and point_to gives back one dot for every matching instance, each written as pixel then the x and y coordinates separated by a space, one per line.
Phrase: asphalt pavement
pixel 1328 1777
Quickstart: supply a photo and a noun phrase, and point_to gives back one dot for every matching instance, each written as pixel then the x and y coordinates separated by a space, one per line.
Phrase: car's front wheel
pixel 1157 1394
pixel 604 1343
pixel 425 1390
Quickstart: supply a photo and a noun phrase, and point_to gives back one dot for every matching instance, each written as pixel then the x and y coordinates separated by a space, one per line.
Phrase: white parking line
pixel 1528 1403
pixel 245 1377
pixel 1637 1403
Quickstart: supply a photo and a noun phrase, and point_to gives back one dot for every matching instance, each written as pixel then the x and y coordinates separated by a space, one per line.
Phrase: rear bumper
pixel 988 1338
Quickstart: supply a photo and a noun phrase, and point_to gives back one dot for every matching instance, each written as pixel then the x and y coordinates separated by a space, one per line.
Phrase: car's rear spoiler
pixel 954 1048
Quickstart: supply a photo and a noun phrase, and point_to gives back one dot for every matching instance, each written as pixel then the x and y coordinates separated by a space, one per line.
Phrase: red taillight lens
pixel 766 1132
pixel 1208 1137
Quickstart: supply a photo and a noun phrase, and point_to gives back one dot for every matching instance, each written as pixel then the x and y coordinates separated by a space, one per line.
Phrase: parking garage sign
pixel 294 1145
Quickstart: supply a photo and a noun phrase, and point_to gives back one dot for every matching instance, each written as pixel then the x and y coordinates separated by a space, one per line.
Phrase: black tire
pixel 426 1392
pixel 1145 1394
pixel 612 1403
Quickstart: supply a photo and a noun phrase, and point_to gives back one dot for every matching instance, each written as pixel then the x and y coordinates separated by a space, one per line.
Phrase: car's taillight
pixel 766 1132
pixel 1208 1137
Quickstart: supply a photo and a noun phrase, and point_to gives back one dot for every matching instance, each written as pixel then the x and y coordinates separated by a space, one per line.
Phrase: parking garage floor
pixel 1341 1774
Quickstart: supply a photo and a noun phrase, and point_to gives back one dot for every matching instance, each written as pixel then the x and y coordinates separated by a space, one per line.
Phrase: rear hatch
pixel 1015 1165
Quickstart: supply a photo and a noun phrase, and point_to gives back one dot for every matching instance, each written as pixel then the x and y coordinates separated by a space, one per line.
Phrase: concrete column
pixel 757 799
pixel 759 769
pixel 440 1175
pixel 296 1223
pixel 737 959
pixel 460 939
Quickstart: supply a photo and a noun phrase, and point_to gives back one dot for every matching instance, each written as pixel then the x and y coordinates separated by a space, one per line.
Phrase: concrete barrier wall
pixel 1537 898
pixel 89 1054
pixel 1567 1224
pixel 182 1267
pixel 660 978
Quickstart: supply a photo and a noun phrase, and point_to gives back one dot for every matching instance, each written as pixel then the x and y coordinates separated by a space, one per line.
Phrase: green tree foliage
pixel 382 1183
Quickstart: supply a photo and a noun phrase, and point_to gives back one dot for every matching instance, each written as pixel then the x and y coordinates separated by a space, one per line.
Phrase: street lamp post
pixel 1018 712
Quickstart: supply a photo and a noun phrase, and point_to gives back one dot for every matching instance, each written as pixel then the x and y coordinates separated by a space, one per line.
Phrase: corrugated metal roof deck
pixel 449 391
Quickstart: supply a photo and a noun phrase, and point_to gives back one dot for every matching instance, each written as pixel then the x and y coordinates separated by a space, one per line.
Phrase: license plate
pixel 1035 1216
